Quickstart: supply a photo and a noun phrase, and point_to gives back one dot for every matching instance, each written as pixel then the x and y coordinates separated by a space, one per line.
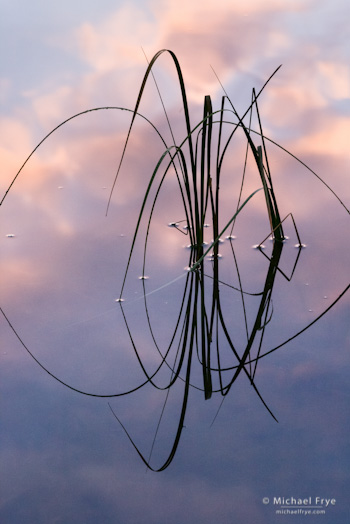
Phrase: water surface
pixel 65 456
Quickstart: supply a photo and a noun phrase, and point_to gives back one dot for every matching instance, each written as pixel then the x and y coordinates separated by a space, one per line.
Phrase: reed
pixel 200 331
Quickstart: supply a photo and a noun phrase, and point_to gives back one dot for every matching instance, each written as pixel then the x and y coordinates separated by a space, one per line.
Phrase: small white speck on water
pixel 119 300
pixel 310 310
pixel 143 277
pixel 300 246
pixel 173 224
pixel 10 235
pixel 212 256
pixel 206 225
pixel 220 241
pixel 258 246
pixel 60 187
pixel 230 237
pixel 284 239
pixel 192 246
pixel 306 283
pixel 187 227
pixel 325 297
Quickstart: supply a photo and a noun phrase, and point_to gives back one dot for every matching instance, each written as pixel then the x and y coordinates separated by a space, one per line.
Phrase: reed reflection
pixel 203 339
pixel 202 333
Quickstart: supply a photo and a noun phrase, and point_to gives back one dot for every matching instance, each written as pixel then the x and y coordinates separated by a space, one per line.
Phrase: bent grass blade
pixel 198 322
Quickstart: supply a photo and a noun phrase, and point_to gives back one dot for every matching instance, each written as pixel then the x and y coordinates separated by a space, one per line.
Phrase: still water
pixel 63 261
